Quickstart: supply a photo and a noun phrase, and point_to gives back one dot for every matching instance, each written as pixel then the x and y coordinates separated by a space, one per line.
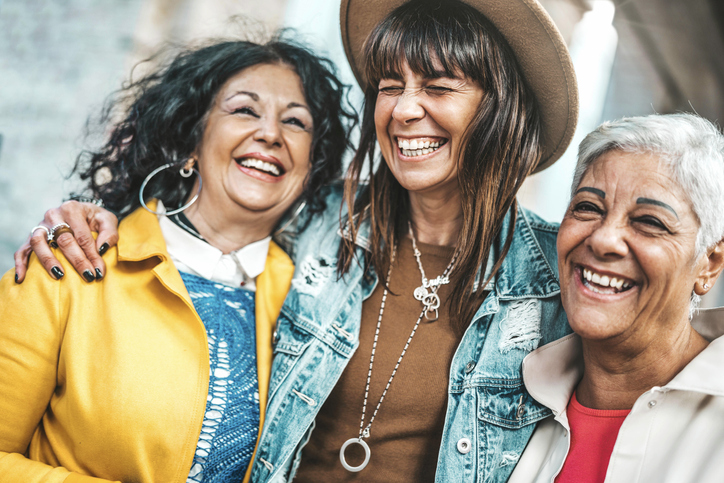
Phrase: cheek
pixel 383 116
pixel 565 239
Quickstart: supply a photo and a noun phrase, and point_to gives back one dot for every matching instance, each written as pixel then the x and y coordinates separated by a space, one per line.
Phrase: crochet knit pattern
pixel 231 422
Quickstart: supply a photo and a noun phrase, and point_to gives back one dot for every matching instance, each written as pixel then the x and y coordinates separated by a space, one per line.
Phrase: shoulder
pixel 543 232
pixel 321 233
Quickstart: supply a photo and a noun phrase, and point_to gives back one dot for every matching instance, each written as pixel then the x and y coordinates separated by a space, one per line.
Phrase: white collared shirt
pixel 673 434
pixel 193 255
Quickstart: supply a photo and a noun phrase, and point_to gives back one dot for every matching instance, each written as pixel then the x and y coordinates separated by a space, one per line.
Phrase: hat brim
pixel 535 40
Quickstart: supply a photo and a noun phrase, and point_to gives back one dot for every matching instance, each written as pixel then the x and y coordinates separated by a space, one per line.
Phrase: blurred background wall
pixel 60 59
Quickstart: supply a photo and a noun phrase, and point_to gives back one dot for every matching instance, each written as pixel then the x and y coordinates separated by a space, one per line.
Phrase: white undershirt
pixel 192 255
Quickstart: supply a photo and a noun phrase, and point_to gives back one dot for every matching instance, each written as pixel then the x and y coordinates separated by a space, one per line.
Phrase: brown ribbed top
pixel 405 436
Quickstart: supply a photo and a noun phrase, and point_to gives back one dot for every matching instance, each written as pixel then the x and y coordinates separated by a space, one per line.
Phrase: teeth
pixel 605 280
pixel 261 166
pixel 414 147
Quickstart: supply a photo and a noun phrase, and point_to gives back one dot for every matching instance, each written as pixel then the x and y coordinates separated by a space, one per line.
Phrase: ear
pixel 713 266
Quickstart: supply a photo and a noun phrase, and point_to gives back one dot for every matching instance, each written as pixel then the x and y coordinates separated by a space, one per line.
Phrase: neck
pixel 615 375
pixel 229 233
pixel 437 219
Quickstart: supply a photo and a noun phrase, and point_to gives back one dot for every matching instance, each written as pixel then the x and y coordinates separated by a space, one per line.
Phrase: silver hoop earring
pixel 184 173
pixel 291 218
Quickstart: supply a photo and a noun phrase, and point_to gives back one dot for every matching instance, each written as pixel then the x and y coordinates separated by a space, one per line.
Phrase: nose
pixel 608 240
pixel 408 108
pixel 268 132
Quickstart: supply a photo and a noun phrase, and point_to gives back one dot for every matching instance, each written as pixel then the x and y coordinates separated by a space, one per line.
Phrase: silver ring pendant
pixel 347 466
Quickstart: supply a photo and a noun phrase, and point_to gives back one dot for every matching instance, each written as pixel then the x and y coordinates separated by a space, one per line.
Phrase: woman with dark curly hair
pixel 422 287
pixel 161 372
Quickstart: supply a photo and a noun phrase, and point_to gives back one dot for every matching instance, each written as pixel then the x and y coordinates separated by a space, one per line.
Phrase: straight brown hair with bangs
pixel 501 148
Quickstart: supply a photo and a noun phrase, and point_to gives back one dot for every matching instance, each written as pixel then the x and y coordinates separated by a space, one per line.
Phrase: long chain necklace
pixel 430 300
pixel 364 431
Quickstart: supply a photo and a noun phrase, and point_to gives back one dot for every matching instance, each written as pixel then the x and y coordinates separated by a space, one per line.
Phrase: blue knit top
pixel 231 421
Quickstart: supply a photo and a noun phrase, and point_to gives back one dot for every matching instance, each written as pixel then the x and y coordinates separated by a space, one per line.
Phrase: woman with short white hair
pixel 636 393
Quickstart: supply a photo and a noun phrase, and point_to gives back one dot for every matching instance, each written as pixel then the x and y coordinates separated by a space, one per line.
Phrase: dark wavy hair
pixel 501 146
pixel 164 116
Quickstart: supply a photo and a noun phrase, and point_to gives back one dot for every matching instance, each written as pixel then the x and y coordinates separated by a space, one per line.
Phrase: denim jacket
pixel 490 416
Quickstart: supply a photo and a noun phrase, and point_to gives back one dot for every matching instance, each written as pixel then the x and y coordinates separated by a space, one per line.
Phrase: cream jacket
pixel 110 378
pixel 674 433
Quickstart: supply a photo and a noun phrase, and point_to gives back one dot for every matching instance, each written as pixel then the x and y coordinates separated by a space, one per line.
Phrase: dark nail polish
pixel 99 274
pixel 53 245
pixel 88 276
pixel 57 273
pixel 103 249
pixel 16 278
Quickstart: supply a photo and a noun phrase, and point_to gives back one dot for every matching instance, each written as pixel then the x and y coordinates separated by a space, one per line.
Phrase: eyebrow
pixel 255 97
pixel 296 104
pixel 595 191
pixel 649 201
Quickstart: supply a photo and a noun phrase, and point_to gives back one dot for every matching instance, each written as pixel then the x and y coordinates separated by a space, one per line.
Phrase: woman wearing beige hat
pixel 398 349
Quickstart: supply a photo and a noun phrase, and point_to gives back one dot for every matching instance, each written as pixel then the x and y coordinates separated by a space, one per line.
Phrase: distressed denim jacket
pixel 490 416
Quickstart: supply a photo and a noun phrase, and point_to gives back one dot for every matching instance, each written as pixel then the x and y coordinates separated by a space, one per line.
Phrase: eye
pixel 585 207
pixel 437 90
pixel 651 221
pixel 295 121
pixel 391 90
pixel 246 110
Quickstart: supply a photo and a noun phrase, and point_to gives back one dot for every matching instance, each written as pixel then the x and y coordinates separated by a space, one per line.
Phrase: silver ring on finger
pixel 41 227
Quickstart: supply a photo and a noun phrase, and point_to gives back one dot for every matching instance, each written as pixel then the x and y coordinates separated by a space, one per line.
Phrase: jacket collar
pixel 702 374
pixel 140 239
pixel 552 372
pixel 526 271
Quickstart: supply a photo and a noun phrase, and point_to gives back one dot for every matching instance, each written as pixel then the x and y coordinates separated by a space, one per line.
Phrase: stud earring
pixel 706 286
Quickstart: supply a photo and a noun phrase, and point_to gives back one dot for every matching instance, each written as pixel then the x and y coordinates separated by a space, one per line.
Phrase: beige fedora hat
pixel 535 40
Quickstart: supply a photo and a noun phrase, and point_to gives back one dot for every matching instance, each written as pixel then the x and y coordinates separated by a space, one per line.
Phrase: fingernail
pixel 53 245
pixel 88 275
pixel 103 249
pixel 16 278
pixel 99 274
pixel 57 273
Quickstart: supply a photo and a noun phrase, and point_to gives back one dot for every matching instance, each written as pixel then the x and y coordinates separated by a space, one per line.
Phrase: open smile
pixel 602 283
pixel 261 164
pixel 414 147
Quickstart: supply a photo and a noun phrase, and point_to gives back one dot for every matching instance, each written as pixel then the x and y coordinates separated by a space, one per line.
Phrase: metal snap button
pixel 464 446
pixel 275 338
pixel 521 411
pixel 652 404
pixel 469 367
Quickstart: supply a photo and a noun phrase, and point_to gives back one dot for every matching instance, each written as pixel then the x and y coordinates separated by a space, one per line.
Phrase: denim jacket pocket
pixel 290 341
pixel 507 415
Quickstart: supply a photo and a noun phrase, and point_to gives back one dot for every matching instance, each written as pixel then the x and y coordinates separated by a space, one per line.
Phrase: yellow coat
pixel 110 378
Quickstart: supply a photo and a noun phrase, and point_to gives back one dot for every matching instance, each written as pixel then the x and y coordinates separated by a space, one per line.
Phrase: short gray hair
pixel 691 146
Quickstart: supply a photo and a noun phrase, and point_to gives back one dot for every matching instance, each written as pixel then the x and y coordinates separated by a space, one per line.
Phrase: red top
pixel 593 435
